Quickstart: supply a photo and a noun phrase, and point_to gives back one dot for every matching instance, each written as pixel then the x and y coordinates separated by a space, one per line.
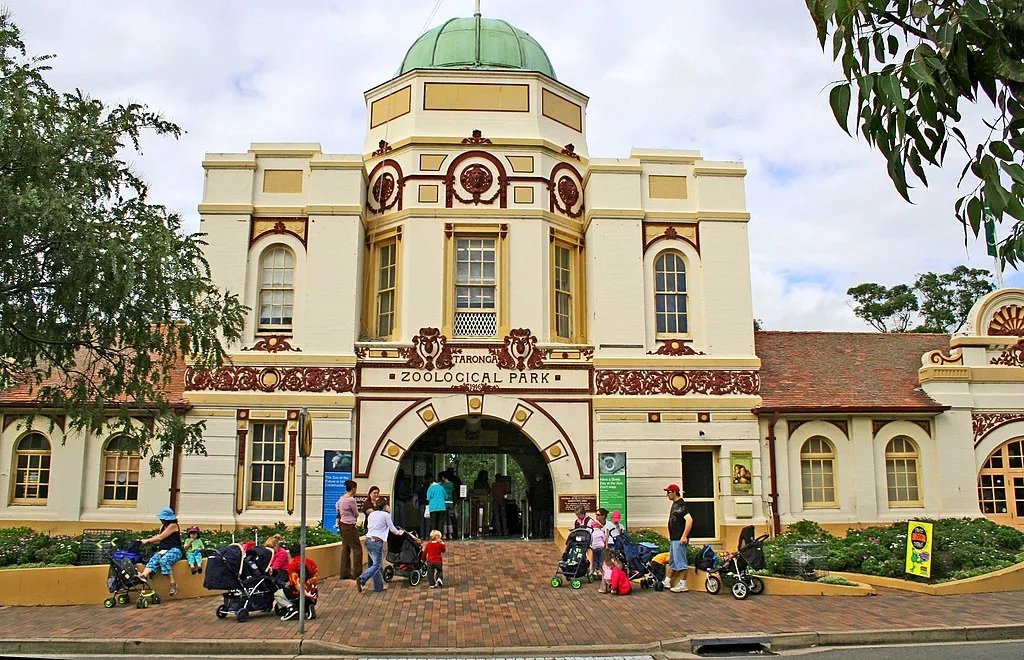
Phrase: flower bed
pixel 962 548
pixel 24 547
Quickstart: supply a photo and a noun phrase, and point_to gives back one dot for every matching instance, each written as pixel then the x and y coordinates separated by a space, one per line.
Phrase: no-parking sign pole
pixel 305 449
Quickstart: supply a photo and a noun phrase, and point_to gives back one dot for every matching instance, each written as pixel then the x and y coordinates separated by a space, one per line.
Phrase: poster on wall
pixel 611 482
pixel 337 470
pixel 919 548
pixel 741 472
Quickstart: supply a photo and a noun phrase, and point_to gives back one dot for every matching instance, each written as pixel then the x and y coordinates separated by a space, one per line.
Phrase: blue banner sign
pixel 337 470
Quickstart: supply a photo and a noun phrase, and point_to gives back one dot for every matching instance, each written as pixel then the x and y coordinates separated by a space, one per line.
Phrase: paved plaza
pixel 499 597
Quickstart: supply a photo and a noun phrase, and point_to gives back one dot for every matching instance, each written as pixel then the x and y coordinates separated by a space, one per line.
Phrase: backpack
pixel 707 559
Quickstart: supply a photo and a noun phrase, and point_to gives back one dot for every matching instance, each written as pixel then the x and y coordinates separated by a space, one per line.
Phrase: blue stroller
pixel 636 560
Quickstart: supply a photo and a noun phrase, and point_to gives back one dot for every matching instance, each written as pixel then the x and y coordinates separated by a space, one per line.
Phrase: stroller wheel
pixel 278 610
pixel 713 584
pixel 122 599
pixel 414 577
pixel 242 616
pixel 141 603
pixel 577 583
pixel 740 590
pixel 388 573
pixel 221 614
pixel 156 599
pixel 658 586
pixel 756 585
pixel 108 603
pixel 556 582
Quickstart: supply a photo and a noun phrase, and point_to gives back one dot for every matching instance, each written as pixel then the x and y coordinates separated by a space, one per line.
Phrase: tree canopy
pixel 909 66
pixel 102 294
pixel 938 302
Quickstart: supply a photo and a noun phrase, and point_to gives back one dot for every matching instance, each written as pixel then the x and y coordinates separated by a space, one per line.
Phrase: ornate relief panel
pixel 668 231
pixel 260 227
pixel 565 190
pixel 475 178
pixel 386 185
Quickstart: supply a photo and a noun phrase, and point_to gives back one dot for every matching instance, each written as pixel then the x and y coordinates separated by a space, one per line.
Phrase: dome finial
pixel 477 12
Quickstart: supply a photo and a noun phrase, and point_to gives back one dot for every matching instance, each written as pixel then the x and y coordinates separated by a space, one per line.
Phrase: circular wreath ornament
pixel 476 179
pixel 383 187
pixel 568 192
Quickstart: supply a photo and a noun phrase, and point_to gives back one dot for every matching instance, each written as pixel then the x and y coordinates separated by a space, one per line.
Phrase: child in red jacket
pixel 620 583
pixel 432 552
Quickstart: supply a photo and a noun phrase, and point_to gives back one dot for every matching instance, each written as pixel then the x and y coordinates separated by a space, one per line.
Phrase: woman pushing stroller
pixel 378 525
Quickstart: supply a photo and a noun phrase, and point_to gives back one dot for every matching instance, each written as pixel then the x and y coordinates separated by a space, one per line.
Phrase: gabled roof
pixel 844 371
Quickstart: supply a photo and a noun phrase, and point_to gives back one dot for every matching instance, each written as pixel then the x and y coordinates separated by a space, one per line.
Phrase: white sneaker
pixel 680 588
pixel 667 583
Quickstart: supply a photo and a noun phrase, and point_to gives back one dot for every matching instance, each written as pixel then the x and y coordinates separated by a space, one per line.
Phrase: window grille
pixel 475 287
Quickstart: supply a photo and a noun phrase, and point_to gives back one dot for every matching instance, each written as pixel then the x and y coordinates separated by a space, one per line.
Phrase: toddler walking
pixel 432 552
pixel 194 547
pixel 597 543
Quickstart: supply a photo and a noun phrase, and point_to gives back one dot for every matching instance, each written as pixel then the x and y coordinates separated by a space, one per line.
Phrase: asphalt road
pixel 978 650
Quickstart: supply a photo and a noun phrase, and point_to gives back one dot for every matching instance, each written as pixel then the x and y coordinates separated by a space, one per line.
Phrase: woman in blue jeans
pixel 378 525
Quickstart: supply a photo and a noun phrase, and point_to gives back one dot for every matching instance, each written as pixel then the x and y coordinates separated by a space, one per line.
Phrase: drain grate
pixel 740 645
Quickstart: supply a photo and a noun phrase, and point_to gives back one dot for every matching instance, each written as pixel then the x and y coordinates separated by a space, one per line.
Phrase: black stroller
pixel 733 569
pixel 574 564
pixel 636 561
pixel 244 577
pixel 123 579
pixel 404 555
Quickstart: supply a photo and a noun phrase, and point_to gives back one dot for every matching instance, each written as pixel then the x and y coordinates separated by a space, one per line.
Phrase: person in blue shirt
pixel 436 497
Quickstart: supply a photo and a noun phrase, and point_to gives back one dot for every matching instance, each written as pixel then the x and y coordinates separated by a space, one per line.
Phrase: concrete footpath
pixel 499 602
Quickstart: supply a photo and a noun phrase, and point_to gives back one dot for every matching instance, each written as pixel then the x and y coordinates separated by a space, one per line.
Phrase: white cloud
pixel 738 79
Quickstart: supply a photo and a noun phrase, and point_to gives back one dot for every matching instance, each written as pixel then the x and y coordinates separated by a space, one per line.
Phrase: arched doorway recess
pixel 1001 484
pixel 476 451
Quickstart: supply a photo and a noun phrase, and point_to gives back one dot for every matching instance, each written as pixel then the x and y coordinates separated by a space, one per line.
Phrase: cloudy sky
pixel 737 79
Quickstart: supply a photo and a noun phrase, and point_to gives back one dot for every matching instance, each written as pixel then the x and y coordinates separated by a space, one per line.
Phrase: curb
pixel 677 647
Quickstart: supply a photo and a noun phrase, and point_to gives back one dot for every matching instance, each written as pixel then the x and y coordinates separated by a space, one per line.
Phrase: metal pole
pixel 302 539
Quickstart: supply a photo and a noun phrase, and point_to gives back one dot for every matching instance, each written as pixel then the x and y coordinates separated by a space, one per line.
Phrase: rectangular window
pixel 120 478
pixel 476 287
pixel 387 279
pixel 267 465
pixel 563 293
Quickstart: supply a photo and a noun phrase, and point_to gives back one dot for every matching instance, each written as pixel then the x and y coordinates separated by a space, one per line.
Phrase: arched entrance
pixel 1001 484
pixel 499 466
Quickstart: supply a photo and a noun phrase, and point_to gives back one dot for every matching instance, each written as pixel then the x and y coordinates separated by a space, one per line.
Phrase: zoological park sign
pixel 434 363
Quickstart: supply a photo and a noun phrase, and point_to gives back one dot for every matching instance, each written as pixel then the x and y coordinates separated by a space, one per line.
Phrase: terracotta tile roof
pixel 844 370
pixel 26 396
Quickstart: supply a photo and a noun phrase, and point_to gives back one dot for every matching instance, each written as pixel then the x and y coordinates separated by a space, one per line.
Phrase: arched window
pixel 1001 484
pixel 670 294
pixel 277 292
pixel 818 473
pixel 32 470
pixel 902 472
pixel 120 472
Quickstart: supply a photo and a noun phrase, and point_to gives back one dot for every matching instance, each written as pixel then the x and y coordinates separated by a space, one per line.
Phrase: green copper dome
pixel 477 43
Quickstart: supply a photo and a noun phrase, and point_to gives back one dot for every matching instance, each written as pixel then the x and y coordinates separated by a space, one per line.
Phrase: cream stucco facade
pixel 475 261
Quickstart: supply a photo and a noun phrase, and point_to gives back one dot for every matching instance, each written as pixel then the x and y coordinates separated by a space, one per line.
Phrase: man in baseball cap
pixel 680 522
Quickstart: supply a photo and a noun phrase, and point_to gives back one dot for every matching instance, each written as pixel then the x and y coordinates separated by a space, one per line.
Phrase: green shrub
pixel 650 536
pixel 836 579
pixel 961 547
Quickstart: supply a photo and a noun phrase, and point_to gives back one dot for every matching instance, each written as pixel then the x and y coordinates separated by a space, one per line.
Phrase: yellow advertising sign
pixel 306 435
pixel 919 548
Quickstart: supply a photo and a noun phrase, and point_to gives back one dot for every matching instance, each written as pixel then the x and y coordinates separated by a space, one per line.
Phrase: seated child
pixel 287 597
pixel 620 583
pixel 194 550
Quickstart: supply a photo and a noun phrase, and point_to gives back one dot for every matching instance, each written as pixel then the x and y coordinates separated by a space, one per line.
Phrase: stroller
pixel 404 557
pixel 123 579
pixel 574 565
pixel 243 574
pixel 636 561
pixel 733 569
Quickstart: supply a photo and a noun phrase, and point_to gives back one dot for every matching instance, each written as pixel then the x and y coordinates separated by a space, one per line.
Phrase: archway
pixel 1001 484
pixel 477 452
